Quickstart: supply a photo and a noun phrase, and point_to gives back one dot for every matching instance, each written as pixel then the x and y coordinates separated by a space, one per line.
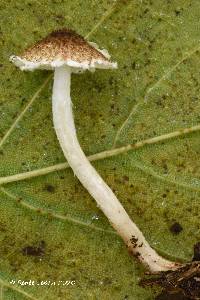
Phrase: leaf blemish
pixel 176 228
pixel 35 250
pixel 49 188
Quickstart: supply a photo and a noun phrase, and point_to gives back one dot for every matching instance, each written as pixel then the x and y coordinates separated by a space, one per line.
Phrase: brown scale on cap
pixel 63 44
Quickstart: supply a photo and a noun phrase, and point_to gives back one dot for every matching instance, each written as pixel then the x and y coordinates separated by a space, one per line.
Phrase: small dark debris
pixel 191 287
pixel 196 256
pixel 133 65
pixel 159 102
pixel 34 250
pixel 176 228
pixel 137 254
pixel 185 282
pixel 50 188
pixel 111 80
pixel 126 178
pixel 112 106
pixel 133 241
pixel 177 12
pixel 19 200
pixel 22 101
pixel 169 296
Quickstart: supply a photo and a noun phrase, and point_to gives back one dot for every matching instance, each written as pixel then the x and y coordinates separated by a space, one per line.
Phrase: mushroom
pixel 67 52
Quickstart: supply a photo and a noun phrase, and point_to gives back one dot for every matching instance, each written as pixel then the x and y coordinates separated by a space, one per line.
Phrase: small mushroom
pixel 66 52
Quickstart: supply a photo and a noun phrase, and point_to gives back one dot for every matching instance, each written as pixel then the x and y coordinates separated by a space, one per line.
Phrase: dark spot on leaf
pixel 34 250
pixel 126 178
pixel 112 106
pixel 176 228
pixel 19 200
pixel 22 101
pixel 177 12
pixel 111 80
pixel 133 65
pixel 50 188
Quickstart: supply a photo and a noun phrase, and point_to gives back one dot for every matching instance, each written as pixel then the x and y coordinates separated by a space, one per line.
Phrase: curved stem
pixel 91 180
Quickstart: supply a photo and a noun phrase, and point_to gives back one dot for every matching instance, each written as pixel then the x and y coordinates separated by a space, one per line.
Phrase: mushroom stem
pixel 91 180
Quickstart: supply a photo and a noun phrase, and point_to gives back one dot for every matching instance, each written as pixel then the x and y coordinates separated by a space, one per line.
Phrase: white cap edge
pixel 26 65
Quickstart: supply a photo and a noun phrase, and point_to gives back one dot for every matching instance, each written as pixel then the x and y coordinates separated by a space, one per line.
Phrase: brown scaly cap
pixel 63 47
pixel 63 44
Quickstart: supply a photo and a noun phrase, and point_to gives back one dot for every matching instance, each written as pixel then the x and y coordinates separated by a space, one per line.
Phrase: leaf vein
pixel 155 85
pixel 100 155
pixel 18 119
pixel 165 178
pixel 52 214
pixel 17 289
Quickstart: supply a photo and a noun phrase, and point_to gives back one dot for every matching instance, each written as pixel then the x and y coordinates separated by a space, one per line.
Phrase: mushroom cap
pixel 64 47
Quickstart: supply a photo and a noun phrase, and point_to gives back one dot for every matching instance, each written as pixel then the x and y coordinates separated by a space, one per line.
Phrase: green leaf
pixel 154 91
